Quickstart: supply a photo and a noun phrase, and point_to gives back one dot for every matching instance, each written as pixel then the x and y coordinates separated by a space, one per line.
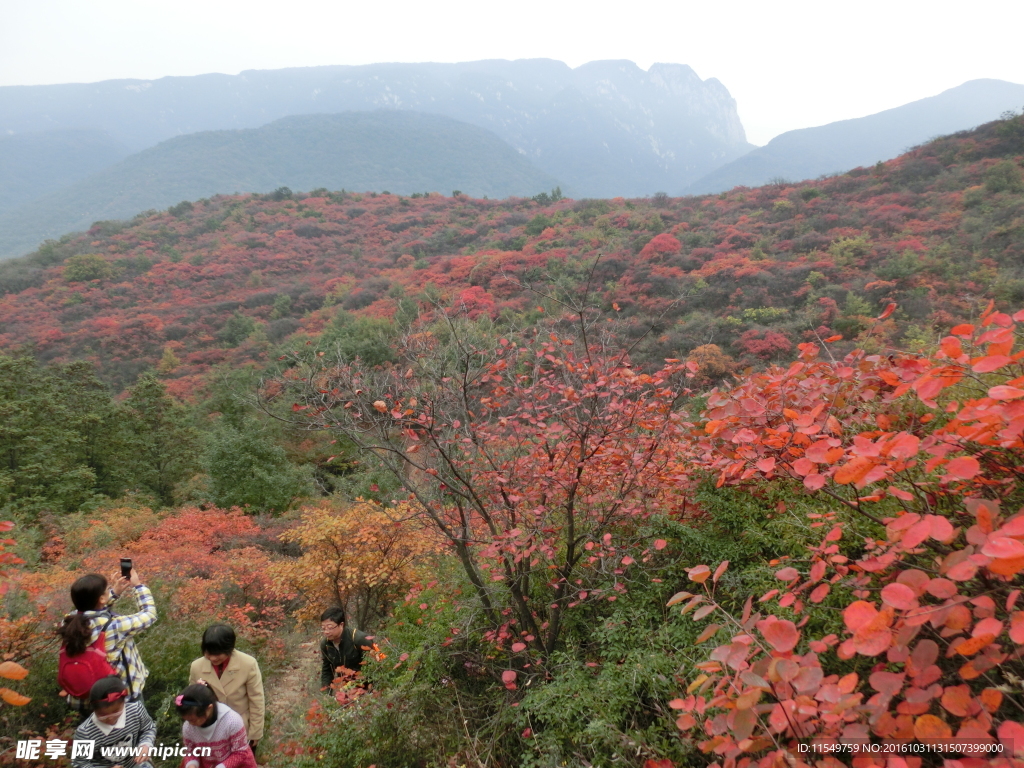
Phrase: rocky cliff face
pixel 606 128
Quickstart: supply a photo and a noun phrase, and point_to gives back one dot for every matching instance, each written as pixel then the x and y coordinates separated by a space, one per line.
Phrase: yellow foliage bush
pixel 359 556
pixel 109 527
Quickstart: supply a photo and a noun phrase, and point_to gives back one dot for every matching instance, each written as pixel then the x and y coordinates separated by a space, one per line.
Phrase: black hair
pixel 76 631
pixel 335 614
pixel 218 638
pixel 196 699
pixel 102 688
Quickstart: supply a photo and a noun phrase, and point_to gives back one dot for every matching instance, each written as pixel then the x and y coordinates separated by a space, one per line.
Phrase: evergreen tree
pixel 63 439
pixel 247 468
pixel 369 339
pixel 165 446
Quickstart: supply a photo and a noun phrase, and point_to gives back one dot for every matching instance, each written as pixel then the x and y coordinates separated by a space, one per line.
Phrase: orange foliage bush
pixel 203 564
pixel 926 452
pixel 15 641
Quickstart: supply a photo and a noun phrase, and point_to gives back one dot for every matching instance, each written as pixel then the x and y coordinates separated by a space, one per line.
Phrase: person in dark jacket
pixel 340 646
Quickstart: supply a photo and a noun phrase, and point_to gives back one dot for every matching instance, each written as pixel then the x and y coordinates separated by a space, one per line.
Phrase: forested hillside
pixel 728 481
pixel 754 271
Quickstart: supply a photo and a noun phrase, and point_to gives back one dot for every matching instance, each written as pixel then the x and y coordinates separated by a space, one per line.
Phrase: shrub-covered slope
pixel 939 231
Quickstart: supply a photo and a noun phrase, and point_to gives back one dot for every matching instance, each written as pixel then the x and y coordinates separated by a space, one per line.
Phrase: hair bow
pixel 177 701
pixel 114 696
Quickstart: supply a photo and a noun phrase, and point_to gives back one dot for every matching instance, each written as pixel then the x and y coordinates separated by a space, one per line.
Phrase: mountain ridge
pixel 628 132
pixel 403 152
pixel 837 147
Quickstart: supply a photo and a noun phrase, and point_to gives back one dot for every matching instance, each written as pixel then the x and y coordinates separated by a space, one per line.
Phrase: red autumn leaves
pixel 780 634
pixel 871 629
pixel 930 598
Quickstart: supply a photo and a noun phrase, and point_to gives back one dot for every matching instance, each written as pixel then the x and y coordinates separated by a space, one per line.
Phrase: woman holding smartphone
pixel 92 596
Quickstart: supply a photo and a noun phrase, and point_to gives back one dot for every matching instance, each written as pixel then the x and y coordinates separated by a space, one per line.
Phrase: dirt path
pixel 289 695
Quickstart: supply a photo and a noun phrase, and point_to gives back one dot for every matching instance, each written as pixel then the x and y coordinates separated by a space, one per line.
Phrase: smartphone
pixel 126 567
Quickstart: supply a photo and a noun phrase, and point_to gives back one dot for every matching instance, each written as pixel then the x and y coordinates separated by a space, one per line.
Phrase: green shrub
pixel 1004 177
pixel 179 210
pixel 247 468
pixel 282 306
pixel 538 224
pixel 236 329
pixel 901 267
pixel 973 197
pixel 369 339
pixel 87 266
pixel 848 249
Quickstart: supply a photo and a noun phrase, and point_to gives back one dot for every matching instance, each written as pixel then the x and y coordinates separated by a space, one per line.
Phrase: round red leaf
pixel 941 588
pixel 1005 392
pixel 858 613
pixel 899 596
pixel 780 634
pixel 1003 546
pixel 963 468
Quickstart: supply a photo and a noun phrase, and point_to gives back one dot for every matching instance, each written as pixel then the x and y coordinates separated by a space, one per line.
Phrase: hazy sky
pixel 789 63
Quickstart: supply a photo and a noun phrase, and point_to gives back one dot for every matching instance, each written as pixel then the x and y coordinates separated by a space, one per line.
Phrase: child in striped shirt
pixel 117 727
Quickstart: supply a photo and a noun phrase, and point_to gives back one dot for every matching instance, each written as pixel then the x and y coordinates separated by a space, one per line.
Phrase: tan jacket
pixel 240 687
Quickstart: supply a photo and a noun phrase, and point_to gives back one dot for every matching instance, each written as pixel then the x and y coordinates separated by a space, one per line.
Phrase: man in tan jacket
pixel 234 676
